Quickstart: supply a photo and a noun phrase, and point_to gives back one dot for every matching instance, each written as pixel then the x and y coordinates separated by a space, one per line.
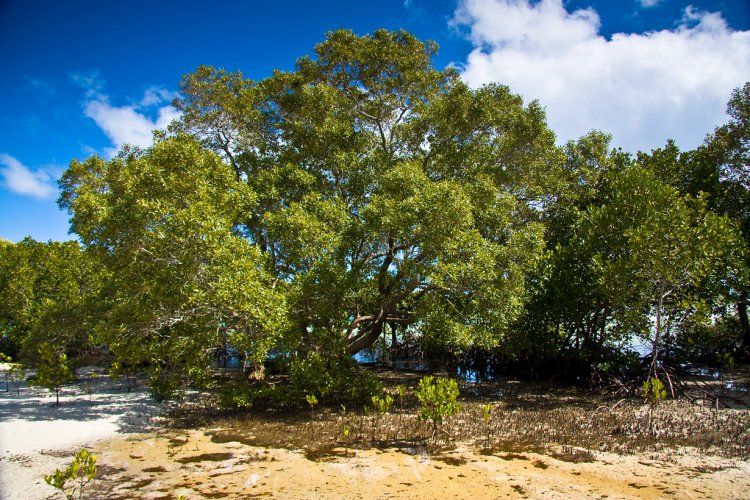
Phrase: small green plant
pixel 17 374
pixel 312 401
pixel 653 391
pixel 236 395
pixel 438 399
pixel 401 393
pixel 79 473
pixel 53 370
pixel 486 417
pixel 382 405
pixel 725 360
pixel 345 430
pixel 122 370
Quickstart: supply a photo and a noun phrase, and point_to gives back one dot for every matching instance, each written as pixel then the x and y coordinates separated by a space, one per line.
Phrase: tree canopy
pixel 302 214
pixel 388 191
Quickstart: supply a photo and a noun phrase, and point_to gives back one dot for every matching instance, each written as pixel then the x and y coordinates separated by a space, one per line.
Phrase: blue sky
pixel 83 77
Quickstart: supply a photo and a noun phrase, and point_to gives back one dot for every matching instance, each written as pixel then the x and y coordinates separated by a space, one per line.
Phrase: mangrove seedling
pixel 382 405
pixel 312 400
pixel 487 416
pixel 653 391
pixel 79 473
pixel 438 399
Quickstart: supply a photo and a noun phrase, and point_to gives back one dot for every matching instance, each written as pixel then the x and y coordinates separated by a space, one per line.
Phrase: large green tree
pixel 651 248
pixel 729 148
pixel 718 171
pixel 43 287
pixel 181 277
pixel 388 192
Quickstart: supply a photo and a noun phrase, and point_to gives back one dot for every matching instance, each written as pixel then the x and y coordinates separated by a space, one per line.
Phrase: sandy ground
pixel 191 464
pixel 36 436
pixel 139 458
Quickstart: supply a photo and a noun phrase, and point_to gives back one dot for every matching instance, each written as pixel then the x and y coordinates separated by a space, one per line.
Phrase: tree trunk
pixel 363 341
pixel 744 324
pixel 657 334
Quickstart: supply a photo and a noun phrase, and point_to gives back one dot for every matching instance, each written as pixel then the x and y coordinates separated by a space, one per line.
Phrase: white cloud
pixel 646 4
pixel 641 88
pixel 130 124
pixel 22 180
pixel 127 124
pixel 90 80
pixel 156 95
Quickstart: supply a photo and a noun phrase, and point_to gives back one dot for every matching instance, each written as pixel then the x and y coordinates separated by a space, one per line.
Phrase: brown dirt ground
pixel 190 463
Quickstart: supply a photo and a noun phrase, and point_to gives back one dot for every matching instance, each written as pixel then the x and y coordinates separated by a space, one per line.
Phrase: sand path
pixel 36 436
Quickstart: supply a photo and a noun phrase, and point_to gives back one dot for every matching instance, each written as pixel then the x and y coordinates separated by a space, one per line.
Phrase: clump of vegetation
pixel 76 476
pixel 163 385
pixel 653 391
pixel 235 395
pixel 438 399
pixel 382 405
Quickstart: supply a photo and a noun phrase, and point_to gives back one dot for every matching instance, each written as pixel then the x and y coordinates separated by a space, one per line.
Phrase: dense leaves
pixel 182 279
pixel 388 191
pixel 303 215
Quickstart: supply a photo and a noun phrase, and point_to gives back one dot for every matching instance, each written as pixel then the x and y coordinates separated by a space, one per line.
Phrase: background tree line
pixel 308 213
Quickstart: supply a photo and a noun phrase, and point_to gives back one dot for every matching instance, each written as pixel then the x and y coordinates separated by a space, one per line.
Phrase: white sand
pixel 36 436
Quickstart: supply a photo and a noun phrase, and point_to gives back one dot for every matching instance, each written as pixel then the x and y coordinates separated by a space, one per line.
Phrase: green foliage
pixel 236 395
pixel 486 412
pixel 164 385
pixel 653 391
pixel 438 398
pixel 80 473
pixel 332 378
pixel 401 393
pixel 312 400
pixel 387 191
pixel 43 289
pixel 16 374
pixel 382 405
pixel 725 360
pixel 167 226
pixel 53 370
